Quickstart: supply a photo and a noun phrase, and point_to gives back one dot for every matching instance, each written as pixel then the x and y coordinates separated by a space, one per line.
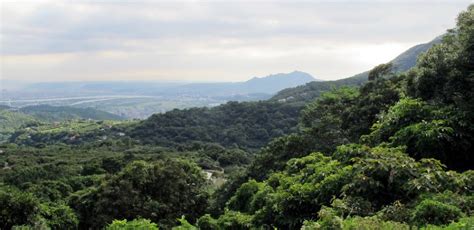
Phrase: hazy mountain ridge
pixel 61 113
pixel 309 91
pixel 141 99
pixel 181 125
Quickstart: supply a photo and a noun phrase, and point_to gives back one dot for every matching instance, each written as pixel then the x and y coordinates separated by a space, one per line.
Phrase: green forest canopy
pixel 395 153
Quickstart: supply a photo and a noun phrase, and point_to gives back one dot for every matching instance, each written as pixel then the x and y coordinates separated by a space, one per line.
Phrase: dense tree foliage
pixel 395 153
pixel 248 125
pixel 62 113
pixel 402 121
pixel 161 192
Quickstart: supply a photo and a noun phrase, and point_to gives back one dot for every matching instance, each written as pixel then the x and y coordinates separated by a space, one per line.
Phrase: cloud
pixel 217 40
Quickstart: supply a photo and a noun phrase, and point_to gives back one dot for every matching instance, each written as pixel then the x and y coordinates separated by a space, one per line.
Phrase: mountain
pixel 262 86
pixel 276 82
pixel 259 121
pixel 50 113
pixel 312 90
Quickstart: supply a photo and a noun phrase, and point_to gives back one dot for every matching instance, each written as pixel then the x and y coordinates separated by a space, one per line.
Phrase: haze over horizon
pixel 210 41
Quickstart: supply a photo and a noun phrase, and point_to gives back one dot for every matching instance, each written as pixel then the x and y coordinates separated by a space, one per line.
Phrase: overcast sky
pixel 210 40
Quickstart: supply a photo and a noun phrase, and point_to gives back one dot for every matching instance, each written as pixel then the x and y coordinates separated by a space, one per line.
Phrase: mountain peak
pixel 276 82
pixel 301 76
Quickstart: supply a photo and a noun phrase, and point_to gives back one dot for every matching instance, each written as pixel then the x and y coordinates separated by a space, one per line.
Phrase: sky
pixel 210 40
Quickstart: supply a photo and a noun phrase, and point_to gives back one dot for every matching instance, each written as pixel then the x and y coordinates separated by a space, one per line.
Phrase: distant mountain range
pixel 257 87
pixel 141 99
pixel 263 86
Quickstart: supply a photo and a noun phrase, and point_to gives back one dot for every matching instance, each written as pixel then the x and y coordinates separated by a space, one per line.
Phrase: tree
pixel 380 71
pixel 133 224
pixel 17 208
pixel 160 191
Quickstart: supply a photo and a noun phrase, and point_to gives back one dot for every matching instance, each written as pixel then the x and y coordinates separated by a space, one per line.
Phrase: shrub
pixel 372 223
pixel 235 220
pixel 434 212
pixel 206 222
pixel 328 219
pixel 141 224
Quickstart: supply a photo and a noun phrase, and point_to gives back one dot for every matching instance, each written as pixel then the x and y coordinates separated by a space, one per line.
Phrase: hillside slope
pixel 50 113
pixel 312 90
pixel 247 125
pixel 11 121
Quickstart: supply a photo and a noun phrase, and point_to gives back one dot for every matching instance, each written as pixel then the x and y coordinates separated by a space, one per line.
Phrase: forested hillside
pixel 11 121
pixel 247 125
pixel 61 113
pixel 394 153
pixel 27 120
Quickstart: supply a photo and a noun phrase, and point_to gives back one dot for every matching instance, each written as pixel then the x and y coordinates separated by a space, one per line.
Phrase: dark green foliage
pixel 247 125
pixel 392 154
pixel 380 71
pixel 160 191
pixel 50 113
pixel 206 222
pixel 50 190
pixel 17 208
pixel 435 212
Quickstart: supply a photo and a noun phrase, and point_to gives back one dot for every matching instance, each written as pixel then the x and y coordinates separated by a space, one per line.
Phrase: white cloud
pixel 224 41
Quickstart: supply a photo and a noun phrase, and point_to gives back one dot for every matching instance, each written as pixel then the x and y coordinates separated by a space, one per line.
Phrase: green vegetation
pixel 10 121
pixel 312 90
pixel 395 153
pixel 247 125
pixel 61 113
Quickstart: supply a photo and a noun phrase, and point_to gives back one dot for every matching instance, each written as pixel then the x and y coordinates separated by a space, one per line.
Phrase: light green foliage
pixel 139 224
pixel 235 220
pixel 373 181
pixel 59 216
pixel 372 223
pixel 184 225
pixel 323 119
pixel 466 223
pixel 206 222
pixel 395 153
pixel 329 220
pixel 73 132
pixel 10 121
pixel 435 212
pixel 403 113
